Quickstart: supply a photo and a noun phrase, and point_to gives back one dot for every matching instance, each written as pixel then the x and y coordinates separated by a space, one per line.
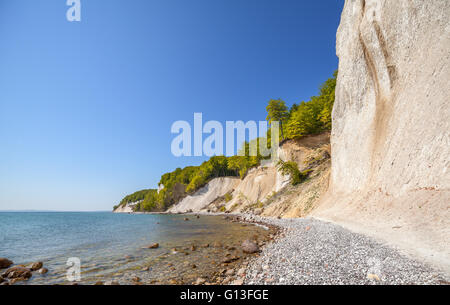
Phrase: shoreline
pixel 183 251
pixel 284 256
pixel 289 251
pixel 232 269
pixel 282 261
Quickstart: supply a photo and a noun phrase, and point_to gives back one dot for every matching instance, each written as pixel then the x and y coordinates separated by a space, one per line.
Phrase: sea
pixel 114 247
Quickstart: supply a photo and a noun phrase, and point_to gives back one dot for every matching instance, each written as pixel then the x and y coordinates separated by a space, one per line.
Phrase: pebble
pixel 316 253
pixel 200 281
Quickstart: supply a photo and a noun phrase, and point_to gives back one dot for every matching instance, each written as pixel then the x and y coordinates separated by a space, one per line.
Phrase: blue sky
pixel 86 107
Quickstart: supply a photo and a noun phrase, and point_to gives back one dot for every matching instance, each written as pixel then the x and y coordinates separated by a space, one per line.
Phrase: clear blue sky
pixel 86 108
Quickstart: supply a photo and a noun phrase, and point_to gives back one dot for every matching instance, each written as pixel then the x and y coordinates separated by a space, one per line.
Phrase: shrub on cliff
pixel 290 168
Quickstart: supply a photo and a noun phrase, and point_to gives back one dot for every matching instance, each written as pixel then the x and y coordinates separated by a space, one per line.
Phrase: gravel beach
pixel 310 251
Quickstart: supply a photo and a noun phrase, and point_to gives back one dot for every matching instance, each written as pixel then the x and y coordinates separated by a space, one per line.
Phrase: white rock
pixel 391 121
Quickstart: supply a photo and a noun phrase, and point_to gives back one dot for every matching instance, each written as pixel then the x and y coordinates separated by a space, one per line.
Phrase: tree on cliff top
pixel 277 111
pixel 314 116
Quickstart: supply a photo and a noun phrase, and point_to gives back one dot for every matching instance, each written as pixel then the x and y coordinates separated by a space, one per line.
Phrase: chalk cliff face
pixel 200 199
pixel 126 208
pixel 391 120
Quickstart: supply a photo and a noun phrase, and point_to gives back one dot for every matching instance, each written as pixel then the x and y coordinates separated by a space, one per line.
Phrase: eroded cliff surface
pixel 391 119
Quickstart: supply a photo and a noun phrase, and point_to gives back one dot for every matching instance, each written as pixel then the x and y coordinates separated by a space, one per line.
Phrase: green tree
pixel 290 168
pixel 277 111
pixel 313 116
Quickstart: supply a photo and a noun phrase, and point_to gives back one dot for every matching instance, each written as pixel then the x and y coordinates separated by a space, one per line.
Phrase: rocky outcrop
pixel 5 263
pixel 391 120
pixel 204 196
pixel 35 266
pixel 126 208
pixel 17 273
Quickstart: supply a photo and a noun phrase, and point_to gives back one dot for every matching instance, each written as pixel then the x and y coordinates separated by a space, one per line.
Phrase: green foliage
pixel 151 202
pixel 135 197
pixel 278 111
pixel 314 116
pixel 215 167
pixel 290 168
pixel 228 197
pixel 240 165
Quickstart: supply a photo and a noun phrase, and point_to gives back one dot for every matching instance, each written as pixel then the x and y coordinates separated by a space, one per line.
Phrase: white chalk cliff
pixel 200 199
pixel 390 141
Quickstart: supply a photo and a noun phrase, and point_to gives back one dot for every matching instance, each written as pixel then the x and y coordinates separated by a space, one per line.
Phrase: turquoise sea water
pixel 107 244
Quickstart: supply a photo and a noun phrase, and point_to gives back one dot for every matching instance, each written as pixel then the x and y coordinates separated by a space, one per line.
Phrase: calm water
pixel 111 245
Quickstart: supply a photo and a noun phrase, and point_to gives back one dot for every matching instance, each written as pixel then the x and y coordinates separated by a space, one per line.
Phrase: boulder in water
pixel 17 272
pixel 35 266
pixel 249 246
pixel 152 246
pixel 5 263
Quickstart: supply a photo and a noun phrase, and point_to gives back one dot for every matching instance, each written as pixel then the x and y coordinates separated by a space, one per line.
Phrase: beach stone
pixel 230 259
pixel 136 279
pixel 200 281
pixel 193 248
pixel 17 272
pixel 43 271
pixel 186 219
pixel 172 282
pixel 153 246
pixel 5 263
pixel 227 280
pixel 229 272
pixel 145 269
pixel 99 283
pixel 35 266
pixel 238 282
pixel 19 279
pixel 375 277
pixel 112 283
pixel 249 247
pixel 241 272
pixel 271 280
pixel 5 283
